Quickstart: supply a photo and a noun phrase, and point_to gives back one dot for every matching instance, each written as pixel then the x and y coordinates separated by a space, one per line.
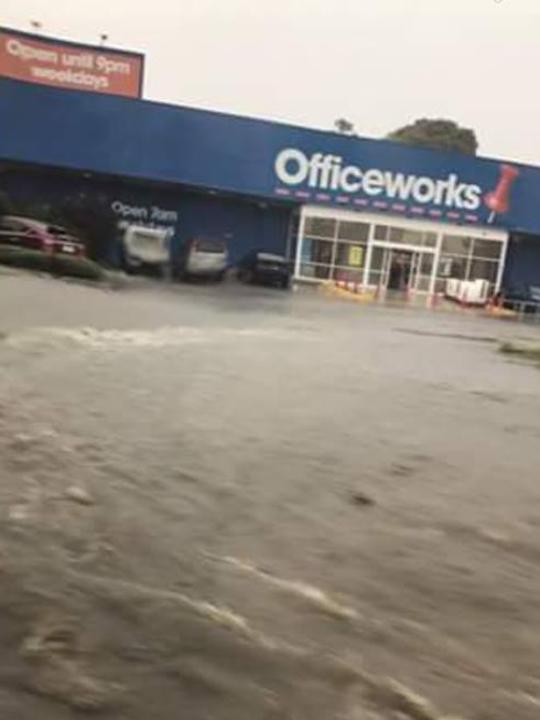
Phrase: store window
pixel 413 237
pixel 320 251
pixel 320 227
pixel 350 255
pixel 381 232
pixel 334 248
pixel 456 245
pixel 484 270
pixel 489 249
pixel 455 258
pixel 375 270
pixel 395 235
pixel 425 270
pixel 404 236
pixel 453 266
pixel 467 258
pixel 353 231
pixel 318 272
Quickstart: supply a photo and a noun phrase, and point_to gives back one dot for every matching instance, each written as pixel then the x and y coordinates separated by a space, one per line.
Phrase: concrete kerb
pixel 352 292
pixel 349 291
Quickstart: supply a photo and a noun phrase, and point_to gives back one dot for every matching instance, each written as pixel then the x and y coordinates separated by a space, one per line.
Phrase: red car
pixel 37 235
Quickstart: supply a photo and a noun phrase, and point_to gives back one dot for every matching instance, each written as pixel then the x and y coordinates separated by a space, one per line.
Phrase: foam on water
pixel 161 337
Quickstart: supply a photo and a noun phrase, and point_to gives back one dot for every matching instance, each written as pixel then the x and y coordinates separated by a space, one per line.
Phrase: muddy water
pixel 228 503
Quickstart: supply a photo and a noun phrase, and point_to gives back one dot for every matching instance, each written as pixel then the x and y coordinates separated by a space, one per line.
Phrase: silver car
pixel 203 257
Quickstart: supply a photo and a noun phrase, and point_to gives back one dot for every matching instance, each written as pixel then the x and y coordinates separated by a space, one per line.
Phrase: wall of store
pixel 258 171
pixel 209 150
pixel 244 223
pixel 522 267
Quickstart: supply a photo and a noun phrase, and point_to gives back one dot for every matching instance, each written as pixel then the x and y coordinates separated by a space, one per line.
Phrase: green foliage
pixel 344 126
pixel 437 135
pixel 62 265
pixel 6 206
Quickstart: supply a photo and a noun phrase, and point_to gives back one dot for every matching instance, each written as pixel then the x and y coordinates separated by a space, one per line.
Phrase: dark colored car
pixel 265 269
pixel 525 298
pixel 37 235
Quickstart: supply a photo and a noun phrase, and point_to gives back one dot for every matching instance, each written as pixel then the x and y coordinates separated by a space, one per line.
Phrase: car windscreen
pixel 55 230
pixel 266 259
pixel 206 245
pixel 7 224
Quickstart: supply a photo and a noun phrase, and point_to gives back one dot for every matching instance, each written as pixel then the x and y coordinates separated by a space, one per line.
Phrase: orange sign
pixel 78 67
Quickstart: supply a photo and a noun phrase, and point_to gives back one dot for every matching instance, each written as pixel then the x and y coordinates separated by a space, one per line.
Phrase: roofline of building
pixel 292 126
pixel 72 43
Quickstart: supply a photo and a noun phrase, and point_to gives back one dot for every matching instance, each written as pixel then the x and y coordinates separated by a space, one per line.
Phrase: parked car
pixel 37 235
pixel 525 298
pixel 146 249
pixel 265 269
pixel 203 257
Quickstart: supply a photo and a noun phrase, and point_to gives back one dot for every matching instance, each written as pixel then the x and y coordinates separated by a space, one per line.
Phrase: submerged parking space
pixel 269 481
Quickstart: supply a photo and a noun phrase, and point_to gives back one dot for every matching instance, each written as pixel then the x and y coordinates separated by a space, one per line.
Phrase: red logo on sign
pixel 498 200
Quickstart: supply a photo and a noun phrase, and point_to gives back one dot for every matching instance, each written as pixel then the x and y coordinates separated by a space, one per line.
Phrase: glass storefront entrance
pixel 392 268
pixel 398 255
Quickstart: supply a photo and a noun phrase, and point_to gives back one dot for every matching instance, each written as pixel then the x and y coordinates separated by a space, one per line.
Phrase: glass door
pixel 401 270
pixel 414 272
pixel 422 277
pixel 386 268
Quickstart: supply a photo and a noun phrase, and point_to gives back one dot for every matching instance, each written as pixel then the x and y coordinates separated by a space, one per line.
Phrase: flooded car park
pixel 246 503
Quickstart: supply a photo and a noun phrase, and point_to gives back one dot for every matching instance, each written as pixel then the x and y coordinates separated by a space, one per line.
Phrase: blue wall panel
pixel 146 140
pixel 244 224
pixel 522 267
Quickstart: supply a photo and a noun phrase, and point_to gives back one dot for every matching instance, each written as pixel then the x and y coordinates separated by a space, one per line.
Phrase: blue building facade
pixel 247 180
pixel 244 223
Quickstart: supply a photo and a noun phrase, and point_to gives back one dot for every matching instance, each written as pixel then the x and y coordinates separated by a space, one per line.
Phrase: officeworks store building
pixel 372 212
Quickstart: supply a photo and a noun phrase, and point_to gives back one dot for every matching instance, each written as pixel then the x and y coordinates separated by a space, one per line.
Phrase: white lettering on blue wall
pixel 158 214
pixel 326 172
pixel 152 216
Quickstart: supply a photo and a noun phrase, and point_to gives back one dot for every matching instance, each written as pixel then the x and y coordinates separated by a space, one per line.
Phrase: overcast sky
pixel 378 63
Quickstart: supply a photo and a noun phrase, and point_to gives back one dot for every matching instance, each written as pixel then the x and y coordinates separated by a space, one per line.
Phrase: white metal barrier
pixel 468 292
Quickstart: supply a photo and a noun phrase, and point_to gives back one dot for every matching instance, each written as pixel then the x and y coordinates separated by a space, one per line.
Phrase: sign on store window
pixel 356 255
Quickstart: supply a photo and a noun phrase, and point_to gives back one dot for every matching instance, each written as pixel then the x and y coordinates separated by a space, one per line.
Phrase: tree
pixel 344 126
pixel 437 135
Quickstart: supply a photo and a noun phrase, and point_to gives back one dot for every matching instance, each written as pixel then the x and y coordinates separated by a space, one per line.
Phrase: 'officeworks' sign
pixel 326 177
pixel 328 172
